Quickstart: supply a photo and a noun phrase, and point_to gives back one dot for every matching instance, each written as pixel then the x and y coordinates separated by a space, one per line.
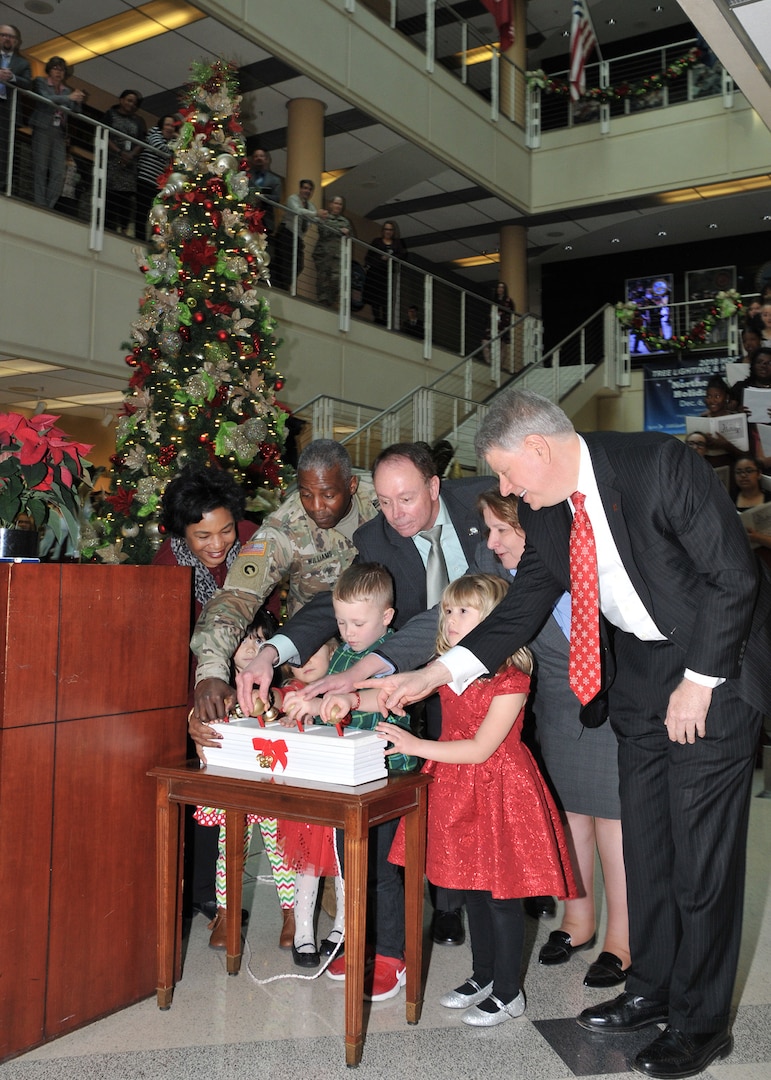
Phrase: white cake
pixel 318 753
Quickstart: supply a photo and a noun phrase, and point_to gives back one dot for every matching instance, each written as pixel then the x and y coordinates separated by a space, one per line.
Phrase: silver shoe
pixel 456 1000
pixel 479 1018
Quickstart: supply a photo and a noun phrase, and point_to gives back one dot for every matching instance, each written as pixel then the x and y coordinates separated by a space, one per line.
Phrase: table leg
pixel 167 871
pixel 414 869
pixel 356 854
pixel 235 823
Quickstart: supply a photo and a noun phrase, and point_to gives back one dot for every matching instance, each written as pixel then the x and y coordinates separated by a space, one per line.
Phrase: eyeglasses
pixel 745 472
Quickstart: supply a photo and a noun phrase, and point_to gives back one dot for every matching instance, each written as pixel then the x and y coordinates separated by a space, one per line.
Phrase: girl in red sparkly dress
pixel 493 828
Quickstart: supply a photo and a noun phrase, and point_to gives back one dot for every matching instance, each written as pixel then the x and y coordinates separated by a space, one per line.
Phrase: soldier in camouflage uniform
pixel 307 540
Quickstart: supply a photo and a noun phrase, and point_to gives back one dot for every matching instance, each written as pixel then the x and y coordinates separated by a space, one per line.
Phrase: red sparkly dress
pixel 492 826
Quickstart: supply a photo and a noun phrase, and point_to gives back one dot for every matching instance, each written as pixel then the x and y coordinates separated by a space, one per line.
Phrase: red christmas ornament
pixel 279 384
pixel 118 460
pixel 199 317
pixel 155 353
pixel 184 333
pixel 166 455
pixel 208 204
pixel 131 360
pixel 203 439
pixel 222 335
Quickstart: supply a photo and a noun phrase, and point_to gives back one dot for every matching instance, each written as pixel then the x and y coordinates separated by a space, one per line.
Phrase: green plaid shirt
pixel 344 658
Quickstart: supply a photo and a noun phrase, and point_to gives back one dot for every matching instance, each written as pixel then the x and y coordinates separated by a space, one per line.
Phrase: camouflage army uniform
pixel 290 545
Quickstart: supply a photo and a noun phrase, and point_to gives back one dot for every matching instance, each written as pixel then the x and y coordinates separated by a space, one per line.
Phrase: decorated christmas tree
pixel 203 380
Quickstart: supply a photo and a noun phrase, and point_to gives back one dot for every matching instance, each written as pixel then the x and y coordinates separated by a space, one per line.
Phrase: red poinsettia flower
pixel 121 501
pixel 253 218
pixel 198 253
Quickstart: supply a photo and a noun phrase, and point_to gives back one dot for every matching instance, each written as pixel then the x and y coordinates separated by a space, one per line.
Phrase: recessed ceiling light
pixel 658 9
pixel 39 7
pixel 568 247
pixel 661 232
pixel 615 240
pixel 566 33
pixel 767 217
pixel 610 22
pixel 712 225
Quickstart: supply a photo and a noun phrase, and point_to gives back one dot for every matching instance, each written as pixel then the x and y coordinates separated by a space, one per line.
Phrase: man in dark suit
pixel 14 72
pixel 687 620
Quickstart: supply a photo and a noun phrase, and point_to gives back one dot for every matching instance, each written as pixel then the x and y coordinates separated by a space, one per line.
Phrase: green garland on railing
pixel 725 305
pixel 603 94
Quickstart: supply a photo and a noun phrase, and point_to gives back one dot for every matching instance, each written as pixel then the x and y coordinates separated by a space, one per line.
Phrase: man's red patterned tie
pixel 584 670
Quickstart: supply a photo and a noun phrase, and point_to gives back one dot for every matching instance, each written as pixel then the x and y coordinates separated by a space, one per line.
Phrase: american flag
pixel 582 42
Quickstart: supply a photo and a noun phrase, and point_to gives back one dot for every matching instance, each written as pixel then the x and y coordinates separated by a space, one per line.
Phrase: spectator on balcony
pixel 125 146
pixel 386 247
pixel 14 72
pixel 759 378
pixel 413 324
pixel 751 340
pixel 326 254
pixel 153 162
pixel 300 213
pixel 49 130
pixel 500 322
pixel 267 185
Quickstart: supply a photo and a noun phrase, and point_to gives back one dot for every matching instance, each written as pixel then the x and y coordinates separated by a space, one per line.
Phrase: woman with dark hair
pixel 389 245
pixel 49 130
pixel 202 515
pixel 125 146
pixel 201 511
pixel 152 163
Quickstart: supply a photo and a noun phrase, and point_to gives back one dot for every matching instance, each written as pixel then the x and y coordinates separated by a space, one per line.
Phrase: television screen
pixel 653 296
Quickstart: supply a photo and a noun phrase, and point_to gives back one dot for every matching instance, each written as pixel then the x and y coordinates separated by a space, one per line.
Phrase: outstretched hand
pixel 395 692
pixel 257 673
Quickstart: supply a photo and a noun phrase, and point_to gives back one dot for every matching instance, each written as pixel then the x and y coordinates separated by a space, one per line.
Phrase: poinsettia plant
pixel 40 469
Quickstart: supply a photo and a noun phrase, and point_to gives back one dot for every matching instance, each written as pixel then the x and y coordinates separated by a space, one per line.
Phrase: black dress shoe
pixel 447 928
pixel 559 948
pixel 605 971
pixel 677 1053
pixel 627 1012
pixel 540 907
pixel 306 959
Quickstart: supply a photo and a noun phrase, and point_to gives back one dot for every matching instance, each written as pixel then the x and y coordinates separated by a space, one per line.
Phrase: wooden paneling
pixel 103 872
pixel 29 630
pixel 125 635
pixel 26 784
pixel 93 695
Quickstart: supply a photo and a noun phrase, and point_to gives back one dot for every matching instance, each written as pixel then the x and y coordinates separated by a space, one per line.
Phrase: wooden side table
pixel 355 810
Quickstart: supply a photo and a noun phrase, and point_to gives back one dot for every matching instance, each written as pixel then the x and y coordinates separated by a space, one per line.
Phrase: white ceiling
pixel 438 226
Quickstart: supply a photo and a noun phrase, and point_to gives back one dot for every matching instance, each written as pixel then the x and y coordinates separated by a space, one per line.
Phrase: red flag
pixel 582 42
pixel 501 11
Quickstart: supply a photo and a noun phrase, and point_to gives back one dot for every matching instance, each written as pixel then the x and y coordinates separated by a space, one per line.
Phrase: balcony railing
pixel 447 40
pixel 453 405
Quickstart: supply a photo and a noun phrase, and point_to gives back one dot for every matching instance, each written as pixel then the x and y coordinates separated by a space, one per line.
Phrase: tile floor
pixel 270 1022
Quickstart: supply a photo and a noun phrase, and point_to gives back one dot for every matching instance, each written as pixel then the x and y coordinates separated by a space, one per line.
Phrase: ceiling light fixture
pixel 568 247
pixel 615 240
pixel 610 22
pixel 144 22
pixel 712 225
pixel 478 260
pixel 661 232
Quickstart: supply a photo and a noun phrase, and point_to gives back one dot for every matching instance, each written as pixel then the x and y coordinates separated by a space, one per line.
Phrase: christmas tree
pixel 203 347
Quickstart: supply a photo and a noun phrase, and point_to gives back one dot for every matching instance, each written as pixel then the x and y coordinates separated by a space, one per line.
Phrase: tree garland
pixel 724 305
pixel 604 94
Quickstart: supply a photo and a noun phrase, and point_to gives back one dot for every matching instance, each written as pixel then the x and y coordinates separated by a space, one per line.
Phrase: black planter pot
pixel 18 543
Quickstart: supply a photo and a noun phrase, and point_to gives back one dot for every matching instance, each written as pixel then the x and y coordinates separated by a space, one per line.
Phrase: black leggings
pixel 497 929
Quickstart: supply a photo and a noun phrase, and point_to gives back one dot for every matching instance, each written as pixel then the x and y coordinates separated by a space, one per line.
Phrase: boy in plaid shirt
pixel 363 600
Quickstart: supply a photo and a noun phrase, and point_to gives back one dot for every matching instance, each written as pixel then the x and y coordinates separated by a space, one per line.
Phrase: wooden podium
pixel 93 692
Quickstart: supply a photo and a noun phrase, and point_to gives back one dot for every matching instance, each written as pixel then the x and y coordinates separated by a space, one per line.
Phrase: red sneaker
pixel 385 978
pixel 336 970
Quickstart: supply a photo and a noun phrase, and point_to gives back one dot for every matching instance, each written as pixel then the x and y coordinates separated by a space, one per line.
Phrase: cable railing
pixel 454 405
pixel 534 100
pixel 637 82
